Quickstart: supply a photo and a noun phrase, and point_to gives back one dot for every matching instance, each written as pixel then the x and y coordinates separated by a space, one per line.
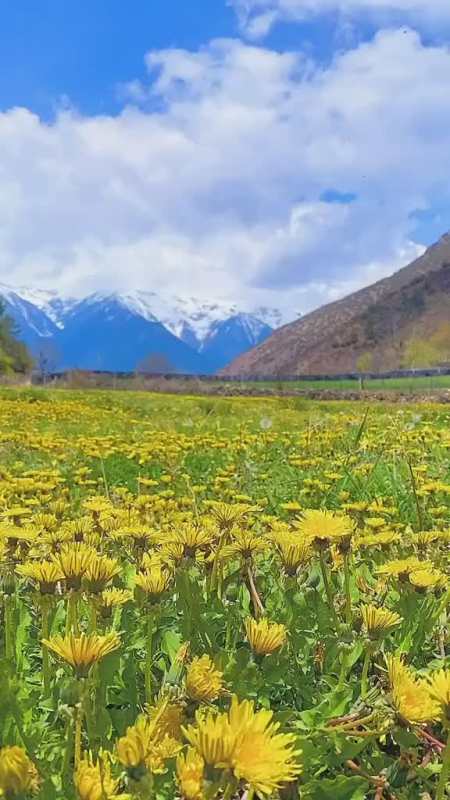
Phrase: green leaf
pixel 170 644
pixel 340 788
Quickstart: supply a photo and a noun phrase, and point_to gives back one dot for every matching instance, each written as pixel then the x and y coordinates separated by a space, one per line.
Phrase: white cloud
pixel 212 186
pixel 258 16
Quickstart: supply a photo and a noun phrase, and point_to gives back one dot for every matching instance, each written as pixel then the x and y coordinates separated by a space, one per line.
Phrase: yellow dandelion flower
pixel 146 746
pixel 192 538
pixel 203 680
pixel 248 743
pixel 79 528
pixel 263 757
pixel 375 523
pixel 166 718
pixel 244 544
pixel 213 738
pixel 324 527
pixel 383 539
pixel 44 573
pixel 424 538
pixel 17 514
pixel 83 651
pixel 45 522
pixel 292 507
pixel 428 579
pixel 153 582
pixel 18 775
pixel 401 568
pixel 13 535
pixel 93 779
pixel 99 572
pixel 73 561
pixel 411 696
pixel 378 622
pixel 97 505
pixel 190 774
pixel 111 598
pixel 161 751
pixel 172 553
pixel 132 749
pixel 151 561
pixel 228 514
pixel 139 534
pixel 264 637
pixel 439 688
pixel 294 552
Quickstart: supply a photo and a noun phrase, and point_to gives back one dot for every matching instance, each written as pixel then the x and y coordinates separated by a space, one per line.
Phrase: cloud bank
pixel 258 16
pixel 234 172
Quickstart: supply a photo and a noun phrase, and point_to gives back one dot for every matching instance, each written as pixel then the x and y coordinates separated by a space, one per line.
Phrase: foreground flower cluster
pixel 199 604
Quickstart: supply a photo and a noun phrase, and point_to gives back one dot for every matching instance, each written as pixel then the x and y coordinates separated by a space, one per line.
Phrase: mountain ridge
pixel 119 330
pixel 377 319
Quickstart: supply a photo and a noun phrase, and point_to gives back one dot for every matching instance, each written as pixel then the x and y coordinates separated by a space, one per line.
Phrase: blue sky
pixel 278 152
pixel 84 51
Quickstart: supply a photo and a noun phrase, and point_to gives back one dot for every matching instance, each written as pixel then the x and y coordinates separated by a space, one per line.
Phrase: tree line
pixel 14 354
pixel 418 351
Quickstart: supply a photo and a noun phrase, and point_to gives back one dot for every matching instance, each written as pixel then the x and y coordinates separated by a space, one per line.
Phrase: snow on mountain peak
pixel 188 318
pixel 180 315
pixel 48 301
pixel 216 331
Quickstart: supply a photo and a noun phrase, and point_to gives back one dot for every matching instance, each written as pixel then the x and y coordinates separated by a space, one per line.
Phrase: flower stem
pixel 45 612
pixel 149 658
pixel 68 753
pixel 343 672
pixel 365 670
pixel 9 628
pixel 229 789
pixel 445 772
pixel 92 616
pixel 258 607
pixel 79 722
pixel 72 614
pixel 77 739
pixel 348 596
pixel 327 587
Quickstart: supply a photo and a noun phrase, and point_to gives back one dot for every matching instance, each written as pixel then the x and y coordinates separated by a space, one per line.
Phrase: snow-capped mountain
pixel 123 330
pixel 190 319
pixel 104 333
pixel 230 337
pixel 32 322
pixel 52 306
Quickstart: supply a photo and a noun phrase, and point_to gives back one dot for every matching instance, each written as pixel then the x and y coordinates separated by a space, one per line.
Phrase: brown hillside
pixel 377 319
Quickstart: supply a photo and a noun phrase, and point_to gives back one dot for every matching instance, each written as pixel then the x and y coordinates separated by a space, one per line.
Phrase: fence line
pixel 346 376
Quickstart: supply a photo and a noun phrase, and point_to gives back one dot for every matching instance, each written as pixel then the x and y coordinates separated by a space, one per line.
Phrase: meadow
pixel 223 598
pixel 410 385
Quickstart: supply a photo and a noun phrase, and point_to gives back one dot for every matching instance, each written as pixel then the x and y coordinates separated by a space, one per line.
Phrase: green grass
pixel 109 466
pixel 419 384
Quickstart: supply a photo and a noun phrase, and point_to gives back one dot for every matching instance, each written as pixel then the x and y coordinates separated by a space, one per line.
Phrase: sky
pixel 264 152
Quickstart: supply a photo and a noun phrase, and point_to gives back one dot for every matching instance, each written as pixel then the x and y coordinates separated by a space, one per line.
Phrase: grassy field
pixel 223 598
pixel 409 385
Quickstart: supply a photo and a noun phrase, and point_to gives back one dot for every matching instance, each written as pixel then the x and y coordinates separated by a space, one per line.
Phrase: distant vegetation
pixel 14 355
pixel 428 352
pixel 399 322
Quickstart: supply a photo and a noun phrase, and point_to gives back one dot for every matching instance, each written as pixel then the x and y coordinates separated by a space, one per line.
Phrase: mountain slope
pixel 195 321
pixel 229 338
pixel 118 331
pixel 102 333
pixel 33 324
pixel 377 320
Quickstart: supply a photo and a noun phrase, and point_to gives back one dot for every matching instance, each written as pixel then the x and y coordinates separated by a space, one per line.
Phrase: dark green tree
pixel 14 355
